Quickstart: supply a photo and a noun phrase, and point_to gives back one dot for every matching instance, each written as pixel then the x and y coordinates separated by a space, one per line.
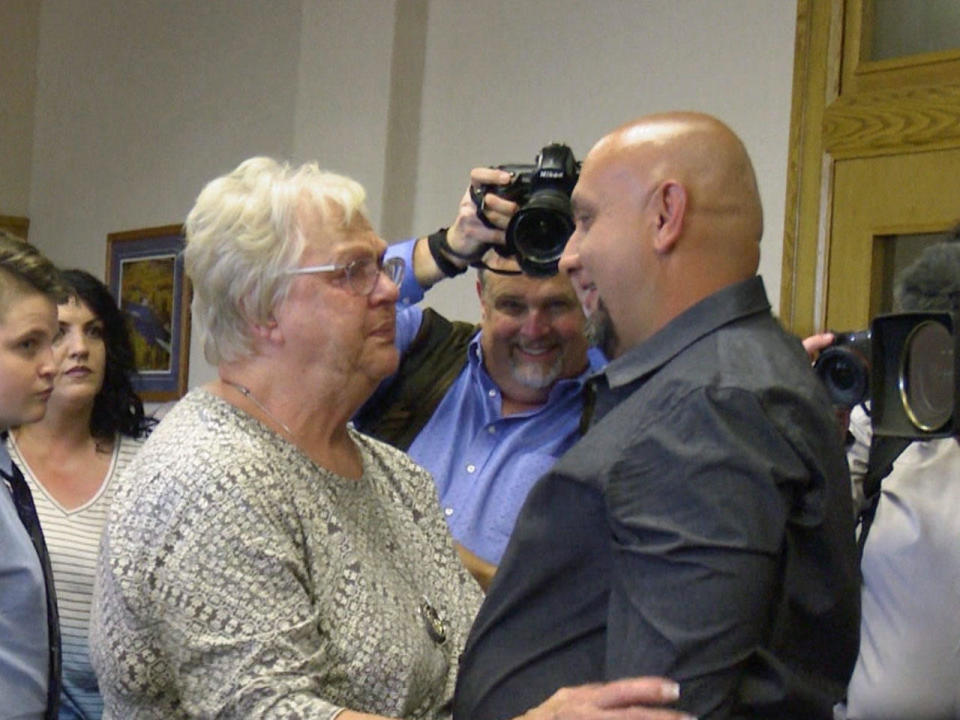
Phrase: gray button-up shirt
pixel 701 530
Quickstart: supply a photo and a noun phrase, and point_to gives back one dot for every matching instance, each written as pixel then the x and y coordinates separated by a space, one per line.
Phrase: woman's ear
pixel 262 330
pixel 268 330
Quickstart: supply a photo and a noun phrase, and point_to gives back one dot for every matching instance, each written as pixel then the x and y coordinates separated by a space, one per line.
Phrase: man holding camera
pixel 488 408
pixel 702 528
pixel 909 662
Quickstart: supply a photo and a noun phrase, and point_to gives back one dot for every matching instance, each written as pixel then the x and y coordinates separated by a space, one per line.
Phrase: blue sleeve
pixel 410 290
pixel 409 316
pixel 408 324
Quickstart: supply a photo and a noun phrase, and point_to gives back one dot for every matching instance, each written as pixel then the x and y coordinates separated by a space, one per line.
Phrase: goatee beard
pixel 537 377
pixel 600 331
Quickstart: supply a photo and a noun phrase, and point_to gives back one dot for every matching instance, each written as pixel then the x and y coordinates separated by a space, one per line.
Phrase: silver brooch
pixel 433 622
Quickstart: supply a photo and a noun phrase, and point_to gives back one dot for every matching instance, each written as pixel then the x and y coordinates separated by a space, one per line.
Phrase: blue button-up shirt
pixel 484 464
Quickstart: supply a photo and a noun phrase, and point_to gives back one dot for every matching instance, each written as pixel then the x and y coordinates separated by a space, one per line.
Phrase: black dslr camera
pixel 539 230
pixel 907 365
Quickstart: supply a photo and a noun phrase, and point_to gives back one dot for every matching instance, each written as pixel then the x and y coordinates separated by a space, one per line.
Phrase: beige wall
pixel 139 102
pixel 19 21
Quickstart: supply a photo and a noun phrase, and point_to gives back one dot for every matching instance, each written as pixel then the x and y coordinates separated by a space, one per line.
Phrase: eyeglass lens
pixel 363 274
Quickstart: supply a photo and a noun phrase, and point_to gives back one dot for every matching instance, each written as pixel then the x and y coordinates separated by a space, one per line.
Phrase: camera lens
pixel 541 235
pixel 540 231
pixel 845 374
pixel 926 376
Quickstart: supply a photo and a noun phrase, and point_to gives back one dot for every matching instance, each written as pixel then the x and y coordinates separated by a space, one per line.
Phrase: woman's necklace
pixel 245 391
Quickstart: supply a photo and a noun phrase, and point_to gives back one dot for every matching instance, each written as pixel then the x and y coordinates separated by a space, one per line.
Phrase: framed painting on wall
pixel 145 274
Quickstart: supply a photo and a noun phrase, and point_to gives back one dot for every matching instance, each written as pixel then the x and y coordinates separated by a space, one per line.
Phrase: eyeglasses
pixel 361 274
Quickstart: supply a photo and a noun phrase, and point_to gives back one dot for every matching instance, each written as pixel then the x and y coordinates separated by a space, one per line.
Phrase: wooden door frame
pixel 844 106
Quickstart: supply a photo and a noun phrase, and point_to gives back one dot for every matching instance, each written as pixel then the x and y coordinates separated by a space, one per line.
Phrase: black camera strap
pixel 479 199
pixel 883 453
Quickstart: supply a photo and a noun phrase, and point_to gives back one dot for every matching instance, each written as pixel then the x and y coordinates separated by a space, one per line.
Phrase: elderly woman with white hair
pixel 263 559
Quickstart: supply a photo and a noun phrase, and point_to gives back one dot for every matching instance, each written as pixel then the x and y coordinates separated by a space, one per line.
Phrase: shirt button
pixel 448 511
pixel 491 429
pixel 406 301
pixel 492 393
pixel 471 468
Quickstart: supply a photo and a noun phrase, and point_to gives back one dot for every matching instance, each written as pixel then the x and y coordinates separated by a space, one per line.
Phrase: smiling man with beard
pixel 532 333
pixel 486 408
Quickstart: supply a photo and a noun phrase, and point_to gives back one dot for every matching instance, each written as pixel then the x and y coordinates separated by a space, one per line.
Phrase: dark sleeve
pixel 403 403
pixel 697 510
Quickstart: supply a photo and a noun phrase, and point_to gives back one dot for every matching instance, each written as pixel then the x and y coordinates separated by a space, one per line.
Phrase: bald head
pixel 706 158
pixel 670 202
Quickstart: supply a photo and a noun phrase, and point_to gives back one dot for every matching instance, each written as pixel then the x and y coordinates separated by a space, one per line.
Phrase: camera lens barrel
pixel 845 374
pixel 540 230
pixel 844 368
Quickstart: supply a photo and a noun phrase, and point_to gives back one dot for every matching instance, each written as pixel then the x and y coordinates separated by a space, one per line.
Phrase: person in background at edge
pixel 29 632
pixel 909 661
pixel 93 427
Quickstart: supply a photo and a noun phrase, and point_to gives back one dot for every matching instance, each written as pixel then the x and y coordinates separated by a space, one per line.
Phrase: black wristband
pixel 436 243
pixel 450 252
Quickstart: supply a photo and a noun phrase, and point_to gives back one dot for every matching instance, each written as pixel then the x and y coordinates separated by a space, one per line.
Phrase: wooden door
pixel 874 164
pixel 884 210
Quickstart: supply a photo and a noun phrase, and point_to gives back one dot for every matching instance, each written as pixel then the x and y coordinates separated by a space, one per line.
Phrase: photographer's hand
pixel 467 236
pixel 815 343
pixel 497 210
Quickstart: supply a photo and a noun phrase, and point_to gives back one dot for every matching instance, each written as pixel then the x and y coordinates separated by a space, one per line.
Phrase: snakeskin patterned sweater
pixel 238 579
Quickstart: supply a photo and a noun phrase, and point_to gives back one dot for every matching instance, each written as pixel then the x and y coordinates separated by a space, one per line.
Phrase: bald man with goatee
pixel 702 528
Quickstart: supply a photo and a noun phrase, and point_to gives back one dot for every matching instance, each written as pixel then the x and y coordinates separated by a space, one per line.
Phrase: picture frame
pixel 146 276
pixel 19 226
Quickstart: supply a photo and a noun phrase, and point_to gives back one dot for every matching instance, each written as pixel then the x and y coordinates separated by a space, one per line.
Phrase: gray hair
pixel 243 235
pixel 24 269
pixel 931 282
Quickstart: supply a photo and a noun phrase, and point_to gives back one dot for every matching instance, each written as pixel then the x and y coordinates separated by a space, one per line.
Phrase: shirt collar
pixel 6 464
pixel 722 307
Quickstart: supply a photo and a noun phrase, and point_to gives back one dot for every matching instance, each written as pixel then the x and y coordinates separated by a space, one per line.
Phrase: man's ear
pixel 483 304
pixel 671 207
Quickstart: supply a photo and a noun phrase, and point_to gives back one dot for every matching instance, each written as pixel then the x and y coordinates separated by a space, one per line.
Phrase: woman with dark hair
pixel 94 425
